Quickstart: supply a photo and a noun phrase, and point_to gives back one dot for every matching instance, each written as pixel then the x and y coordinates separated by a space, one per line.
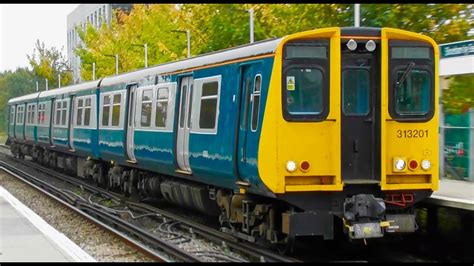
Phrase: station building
pixel 96 14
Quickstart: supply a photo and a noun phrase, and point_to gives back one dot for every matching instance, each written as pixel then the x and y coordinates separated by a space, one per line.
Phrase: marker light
pixel 412 165
pixel 370 46
pixel 290 166
pixel 426 165
pixel 400 165
pixel 304 166
pixel 351 44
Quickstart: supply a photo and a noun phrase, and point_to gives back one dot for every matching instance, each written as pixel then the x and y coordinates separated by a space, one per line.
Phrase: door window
pixel 355 90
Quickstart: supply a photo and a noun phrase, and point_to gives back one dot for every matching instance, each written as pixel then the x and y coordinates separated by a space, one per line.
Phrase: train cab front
pixel 356 130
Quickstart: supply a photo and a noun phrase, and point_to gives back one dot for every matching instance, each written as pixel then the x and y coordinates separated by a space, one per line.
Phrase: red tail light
pixel 304 166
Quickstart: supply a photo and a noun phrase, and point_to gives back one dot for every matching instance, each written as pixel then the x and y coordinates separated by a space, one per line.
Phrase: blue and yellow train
pixel 278 137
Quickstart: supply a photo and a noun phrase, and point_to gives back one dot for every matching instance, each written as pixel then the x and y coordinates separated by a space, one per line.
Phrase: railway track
pixel 115 220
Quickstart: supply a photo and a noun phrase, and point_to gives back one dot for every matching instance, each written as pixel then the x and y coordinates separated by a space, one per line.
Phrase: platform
pixel 26 237
pixel 454 194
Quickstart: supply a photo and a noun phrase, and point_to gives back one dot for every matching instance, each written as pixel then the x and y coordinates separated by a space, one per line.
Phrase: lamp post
pixel 356 15
pixel 145 46
pixel 93 70
pixel 116 62
pixel 59 81
pixel 46 83
pixel 188 35
pixel 251 25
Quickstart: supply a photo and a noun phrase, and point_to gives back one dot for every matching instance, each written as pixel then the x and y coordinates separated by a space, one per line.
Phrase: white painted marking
pixel 73 250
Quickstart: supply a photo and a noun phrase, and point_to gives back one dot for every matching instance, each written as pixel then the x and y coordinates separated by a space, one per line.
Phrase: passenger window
pixel 28 112
pixel 162 96
pixel 412 97
pixel 12 115
pixel 256 102
pixel 87 111
pixel 106 110
pixel 80 103
pixel 116 110
pixel 58 113
pixel 355 90
pixel 183 106
pixel 40 113
pixel 208 111
pixel 304 91
pixel 147 98
pixel 190 106
pixel 64 113
pixel 33 113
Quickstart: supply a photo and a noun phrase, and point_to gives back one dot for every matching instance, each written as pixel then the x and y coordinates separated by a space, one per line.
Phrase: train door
pixel 14 120
pixel 23 120
pixel 184 123
pixel 52 115
pixel 250 86
pixel 72 119
pixel 130 125
pixel 359 94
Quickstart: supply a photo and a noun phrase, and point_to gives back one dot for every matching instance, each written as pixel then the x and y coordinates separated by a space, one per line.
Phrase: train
pixel 325 131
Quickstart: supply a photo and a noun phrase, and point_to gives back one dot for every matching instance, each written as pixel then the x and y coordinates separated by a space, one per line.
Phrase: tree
pixel 442 22
pixel 459 97
pixel 219 26
pixel 150 24
pixel 47 63
pixel 14 84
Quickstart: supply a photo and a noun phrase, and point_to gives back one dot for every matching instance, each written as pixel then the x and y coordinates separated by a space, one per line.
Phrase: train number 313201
pixel 415 133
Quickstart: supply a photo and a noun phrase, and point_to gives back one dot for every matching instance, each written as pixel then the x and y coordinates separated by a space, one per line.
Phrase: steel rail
pixel 210 233
pixel 88 211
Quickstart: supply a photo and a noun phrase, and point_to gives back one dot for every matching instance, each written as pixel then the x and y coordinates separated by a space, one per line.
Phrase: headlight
pixel 400 165
pixel 290 166
pixel 370 46
pixel 351 44
pixel 425 165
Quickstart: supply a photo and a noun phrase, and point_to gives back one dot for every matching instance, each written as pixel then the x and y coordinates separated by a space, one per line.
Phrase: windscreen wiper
pixel 405 74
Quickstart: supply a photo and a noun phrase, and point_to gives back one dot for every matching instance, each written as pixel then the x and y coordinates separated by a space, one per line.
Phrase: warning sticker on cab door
pixel 290 83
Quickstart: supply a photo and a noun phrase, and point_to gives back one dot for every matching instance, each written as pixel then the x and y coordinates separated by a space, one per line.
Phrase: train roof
pixel 67 89
pixel 24 98
pixel 70 89
pixel 243 51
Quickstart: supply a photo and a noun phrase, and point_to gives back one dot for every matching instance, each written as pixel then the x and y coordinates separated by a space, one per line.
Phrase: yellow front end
pixel 409 141
pixel 318 144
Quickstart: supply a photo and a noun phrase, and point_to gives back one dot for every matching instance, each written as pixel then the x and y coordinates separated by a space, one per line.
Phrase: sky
pixel 22 24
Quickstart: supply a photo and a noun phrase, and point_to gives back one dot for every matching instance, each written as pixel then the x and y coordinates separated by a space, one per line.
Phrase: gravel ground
pixel 97 242
pixel 202 248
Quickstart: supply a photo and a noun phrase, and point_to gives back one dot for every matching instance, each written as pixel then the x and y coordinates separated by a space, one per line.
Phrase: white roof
pixel 259 48
pixel 24 97
pixel 248 50
pixel 70 89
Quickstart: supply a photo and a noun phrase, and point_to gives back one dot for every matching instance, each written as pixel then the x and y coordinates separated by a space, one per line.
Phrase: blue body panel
pixel 44 131
pixel 218 168
pixel 86 139
pixel 60 136
pixel 83 141
pixel 19 132
pixel 111 142
pixel 155 150
pixel 215 159
pixel 30 133
pixel 112 145
pixel 11 122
